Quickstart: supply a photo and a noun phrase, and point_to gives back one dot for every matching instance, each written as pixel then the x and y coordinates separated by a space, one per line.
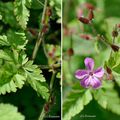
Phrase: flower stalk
pixel 41 33
pixel 47 105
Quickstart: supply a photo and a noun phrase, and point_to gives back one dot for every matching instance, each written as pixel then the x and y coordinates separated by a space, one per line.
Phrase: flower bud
pixel 51 54
pixel 114 33
pixel 70 52
pixel 90 15
pixel 109 71
pixel 115 48
pixel 84 20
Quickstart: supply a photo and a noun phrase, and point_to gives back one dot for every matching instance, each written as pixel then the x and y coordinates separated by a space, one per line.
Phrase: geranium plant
pixel 91 80
pixel 27 80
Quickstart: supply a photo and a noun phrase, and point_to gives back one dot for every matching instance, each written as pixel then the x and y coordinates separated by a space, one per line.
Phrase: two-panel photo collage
pixel 59 59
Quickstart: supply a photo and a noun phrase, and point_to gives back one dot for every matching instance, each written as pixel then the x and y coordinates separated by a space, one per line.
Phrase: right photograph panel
pixel 91 60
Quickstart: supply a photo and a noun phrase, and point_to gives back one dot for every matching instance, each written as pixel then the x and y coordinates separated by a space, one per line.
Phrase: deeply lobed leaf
pixel 75 102
pixel 36 79
pixel 21 12
pixel 4 41
pixel 108 98
pixel 10 112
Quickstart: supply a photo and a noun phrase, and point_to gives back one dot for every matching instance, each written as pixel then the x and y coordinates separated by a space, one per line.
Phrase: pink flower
pixel 90 77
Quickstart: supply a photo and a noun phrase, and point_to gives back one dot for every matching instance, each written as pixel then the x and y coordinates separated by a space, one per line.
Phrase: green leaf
pixel 17 81
pixel 57 5
pixel 35 4
pixel 10 112
pixel 28 2
pixel 33 71
pixel 117 69
pixel 6 55
pixel 7 12
pixel 117 77
pixel 12 75
pixel 75 102
pixel 17 39
pixel 36 79
pixel 40 88
pixel 21 12
pixel 4 41
pixel 114 62
pixel 6 74
pixel 108 98
pixel 110 24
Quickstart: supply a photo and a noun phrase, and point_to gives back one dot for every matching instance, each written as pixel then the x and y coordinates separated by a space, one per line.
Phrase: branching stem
pixel 43 113
pixel 41 34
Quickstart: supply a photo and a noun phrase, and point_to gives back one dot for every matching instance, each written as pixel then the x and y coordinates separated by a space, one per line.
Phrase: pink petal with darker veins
pixel 80 74
pixel 95 83
pixel 89 63
pixel 85 82
pixel 99 72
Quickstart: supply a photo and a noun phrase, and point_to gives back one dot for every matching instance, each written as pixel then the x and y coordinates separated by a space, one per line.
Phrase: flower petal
pixel 99 72
pixel 80 74
pixel 95 82
pixel 85 82
pixel 89 63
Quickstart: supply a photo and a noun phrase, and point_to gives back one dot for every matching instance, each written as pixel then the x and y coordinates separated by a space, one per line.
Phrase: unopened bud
pixel 90 15
pixel 109 71
pixel 51 54
pixel 114 33
pixel 70 52
pixel 84 20
pixel 115 48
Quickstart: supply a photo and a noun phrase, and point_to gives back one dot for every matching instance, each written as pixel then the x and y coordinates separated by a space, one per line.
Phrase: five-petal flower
pixel 90 77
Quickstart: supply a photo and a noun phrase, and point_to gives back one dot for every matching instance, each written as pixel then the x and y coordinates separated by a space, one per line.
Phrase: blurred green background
pixel 76 49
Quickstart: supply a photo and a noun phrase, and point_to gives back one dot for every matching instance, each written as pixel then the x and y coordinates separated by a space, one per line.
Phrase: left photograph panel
pixel 30 59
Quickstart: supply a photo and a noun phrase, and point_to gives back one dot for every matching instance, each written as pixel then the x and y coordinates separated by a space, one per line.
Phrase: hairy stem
pixel 44 48
pixel 52 80
pixel 41 34
pixel 55 66
pixel 43 113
